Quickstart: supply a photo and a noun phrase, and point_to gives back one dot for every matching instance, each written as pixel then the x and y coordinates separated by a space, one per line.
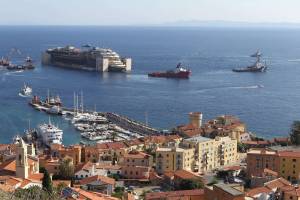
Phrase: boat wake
pixel 247 87
pixel 294 60
pixel 234 87
pixel 13 73
pixel 24 96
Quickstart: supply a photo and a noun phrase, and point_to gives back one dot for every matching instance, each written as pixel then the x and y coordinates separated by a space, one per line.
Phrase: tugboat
pixel 258 66
pixel 180 72
pixel 26 91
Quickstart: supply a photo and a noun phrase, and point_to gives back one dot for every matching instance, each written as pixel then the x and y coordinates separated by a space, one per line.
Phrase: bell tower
pixel 21 159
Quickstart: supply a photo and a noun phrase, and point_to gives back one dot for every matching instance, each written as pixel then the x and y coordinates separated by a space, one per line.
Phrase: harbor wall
pixel 131 125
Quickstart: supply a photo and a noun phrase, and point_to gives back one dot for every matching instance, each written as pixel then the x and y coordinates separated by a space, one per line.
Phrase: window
pixel 294 160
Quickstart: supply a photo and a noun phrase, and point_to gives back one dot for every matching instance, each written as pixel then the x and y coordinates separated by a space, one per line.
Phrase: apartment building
pixel 172 159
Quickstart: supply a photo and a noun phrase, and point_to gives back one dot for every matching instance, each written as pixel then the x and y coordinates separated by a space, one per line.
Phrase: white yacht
pixel 50 134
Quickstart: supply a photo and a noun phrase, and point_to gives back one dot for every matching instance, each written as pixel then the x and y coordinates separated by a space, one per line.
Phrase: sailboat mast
pixel 74 101
pixel 146 118
pixel 48 95
pixel 77 100
pixel 81 102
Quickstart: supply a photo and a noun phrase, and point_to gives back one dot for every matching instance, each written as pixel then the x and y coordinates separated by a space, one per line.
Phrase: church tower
pixel 21 159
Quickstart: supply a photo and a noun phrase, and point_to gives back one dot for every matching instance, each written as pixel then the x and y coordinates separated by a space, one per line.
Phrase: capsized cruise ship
pixel 50 134
pixel 87 58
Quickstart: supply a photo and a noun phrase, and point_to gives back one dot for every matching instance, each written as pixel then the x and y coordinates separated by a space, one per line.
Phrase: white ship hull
pixel 50 134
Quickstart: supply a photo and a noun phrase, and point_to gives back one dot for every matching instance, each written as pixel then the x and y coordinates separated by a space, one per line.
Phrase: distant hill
pixel 220 23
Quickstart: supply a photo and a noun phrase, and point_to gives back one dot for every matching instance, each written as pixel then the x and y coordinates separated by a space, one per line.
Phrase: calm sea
pixel 213 88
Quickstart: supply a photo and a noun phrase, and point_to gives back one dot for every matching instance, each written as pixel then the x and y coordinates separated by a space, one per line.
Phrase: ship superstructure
pixel 50 134
pixel 258 66
pixel 87 58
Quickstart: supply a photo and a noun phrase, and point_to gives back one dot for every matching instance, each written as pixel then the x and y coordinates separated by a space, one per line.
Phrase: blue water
pixel 213 89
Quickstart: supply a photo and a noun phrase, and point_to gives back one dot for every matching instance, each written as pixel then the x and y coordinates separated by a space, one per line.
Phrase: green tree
pixel 242 148
pixel 47 182
pixel 189 184
pixel 295 133
pixel 118 192
pixel 66 169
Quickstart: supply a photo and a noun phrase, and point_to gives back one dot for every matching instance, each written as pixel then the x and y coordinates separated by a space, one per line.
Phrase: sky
pixel 145 12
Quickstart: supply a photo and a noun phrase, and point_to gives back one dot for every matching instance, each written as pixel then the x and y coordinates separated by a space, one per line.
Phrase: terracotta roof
pixel 277 183
pixel 9 166
pixel 57 182
pixel 103 179
pixel 291 190
pixel 133 142
pixel 111 145
pixel 271 172
pixel 154 176
pixel 293 154
pixel 12 181
pixel 232 168
pixel 174 194
pixel 83 194
pixel 183 174
pixel 25 182
pixel 36 177
pixel 169 174
pixel 284 139
pixel 137 155
pixel 83 166
pixel 253 192
pixel 108 166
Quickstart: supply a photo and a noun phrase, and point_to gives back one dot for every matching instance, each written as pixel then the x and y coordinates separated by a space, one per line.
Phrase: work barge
pixel 99 127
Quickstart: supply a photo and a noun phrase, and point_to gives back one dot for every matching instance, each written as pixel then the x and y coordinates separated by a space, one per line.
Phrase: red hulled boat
pixel 179 72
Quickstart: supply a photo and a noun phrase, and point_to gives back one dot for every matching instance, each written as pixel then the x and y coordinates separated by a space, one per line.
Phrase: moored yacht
pixel 50 134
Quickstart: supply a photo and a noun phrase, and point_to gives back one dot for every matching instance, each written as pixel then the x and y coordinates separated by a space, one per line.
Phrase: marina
pixel 93 126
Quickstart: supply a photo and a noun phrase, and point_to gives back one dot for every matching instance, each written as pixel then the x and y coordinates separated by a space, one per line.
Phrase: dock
pixel 131 128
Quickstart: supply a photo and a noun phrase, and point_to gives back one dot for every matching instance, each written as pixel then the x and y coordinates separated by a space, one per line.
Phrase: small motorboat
pixel 26 91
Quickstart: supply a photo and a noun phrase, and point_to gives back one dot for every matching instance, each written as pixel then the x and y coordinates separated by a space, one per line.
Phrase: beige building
pixel 212 153
pixel 172 159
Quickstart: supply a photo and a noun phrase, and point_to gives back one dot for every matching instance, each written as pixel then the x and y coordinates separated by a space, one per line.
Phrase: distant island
pixel 222 23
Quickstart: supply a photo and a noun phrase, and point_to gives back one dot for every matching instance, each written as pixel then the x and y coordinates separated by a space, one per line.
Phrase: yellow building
pixel 212 153
pixel 172 159
pixel 289 162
